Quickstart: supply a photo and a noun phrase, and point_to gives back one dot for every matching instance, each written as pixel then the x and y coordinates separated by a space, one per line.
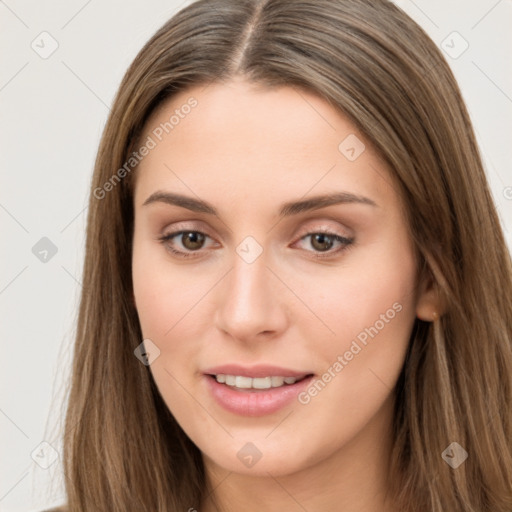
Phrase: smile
pixel 242 382
pixel 254 391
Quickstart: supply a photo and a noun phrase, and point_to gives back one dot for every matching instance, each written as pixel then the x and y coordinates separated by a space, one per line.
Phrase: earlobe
pixel 429 306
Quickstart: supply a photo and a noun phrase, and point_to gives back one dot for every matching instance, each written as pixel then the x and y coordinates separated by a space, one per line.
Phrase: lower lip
pixel 252 402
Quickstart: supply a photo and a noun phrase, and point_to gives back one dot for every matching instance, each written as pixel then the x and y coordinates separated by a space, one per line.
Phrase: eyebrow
pixel 286 210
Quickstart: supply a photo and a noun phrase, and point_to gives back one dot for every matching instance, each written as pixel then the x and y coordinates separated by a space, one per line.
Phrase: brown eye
pixel 321 241
pixel 325 244
pixel 192 240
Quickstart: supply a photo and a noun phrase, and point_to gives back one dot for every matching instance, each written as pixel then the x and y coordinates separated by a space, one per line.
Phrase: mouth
pixel 255 391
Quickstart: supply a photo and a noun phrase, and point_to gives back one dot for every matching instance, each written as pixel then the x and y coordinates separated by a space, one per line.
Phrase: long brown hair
pixel 123 450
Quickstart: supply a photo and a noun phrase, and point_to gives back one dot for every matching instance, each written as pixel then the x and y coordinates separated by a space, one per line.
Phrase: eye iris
pixel 192 240
pixel 319 240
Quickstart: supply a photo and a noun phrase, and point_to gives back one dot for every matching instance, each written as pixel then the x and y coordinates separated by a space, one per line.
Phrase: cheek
pixel 369 299
pixel 155 307
pixel 165 293
pixel 168 302
pixel 370 305
pixel 375 288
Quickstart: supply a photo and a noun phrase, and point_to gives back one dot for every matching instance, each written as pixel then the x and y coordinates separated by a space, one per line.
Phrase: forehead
pixel 247 140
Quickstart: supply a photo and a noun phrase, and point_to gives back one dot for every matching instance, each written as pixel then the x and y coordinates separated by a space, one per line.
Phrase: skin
pixel 246 150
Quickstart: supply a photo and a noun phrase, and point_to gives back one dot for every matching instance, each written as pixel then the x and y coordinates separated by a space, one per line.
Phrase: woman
pixel 298 293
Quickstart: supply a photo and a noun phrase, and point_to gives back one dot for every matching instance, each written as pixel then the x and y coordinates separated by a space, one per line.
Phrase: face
pixel 270 243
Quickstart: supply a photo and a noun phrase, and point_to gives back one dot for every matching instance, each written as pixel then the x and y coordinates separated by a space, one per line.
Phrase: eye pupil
pixel 319 240
pixel 192 240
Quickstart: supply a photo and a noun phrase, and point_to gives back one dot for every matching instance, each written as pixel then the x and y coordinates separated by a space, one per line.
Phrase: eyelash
pixel 346 243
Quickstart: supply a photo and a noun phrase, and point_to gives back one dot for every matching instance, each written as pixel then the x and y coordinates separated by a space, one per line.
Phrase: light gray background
pixel 52 113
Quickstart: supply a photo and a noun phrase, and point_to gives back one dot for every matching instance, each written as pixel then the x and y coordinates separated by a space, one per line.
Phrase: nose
pixel 251 302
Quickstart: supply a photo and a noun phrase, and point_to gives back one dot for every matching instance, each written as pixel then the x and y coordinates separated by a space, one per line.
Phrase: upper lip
pixel 262 370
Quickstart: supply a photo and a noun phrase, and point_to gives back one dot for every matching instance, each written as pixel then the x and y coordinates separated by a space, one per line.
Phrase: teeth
pixel 241 382
pixel 262 383
pixel 277 381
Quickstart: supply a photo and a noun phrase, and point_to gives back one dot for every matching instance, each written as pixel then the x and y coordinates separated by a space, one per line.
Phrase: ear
pixel 429 305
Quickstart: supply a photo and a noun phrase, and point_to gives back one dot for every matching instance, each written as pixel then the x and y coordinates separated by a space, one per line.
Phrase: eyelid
pixel 193 225
pixel 173 231
pixel 324 227
pixel 309 226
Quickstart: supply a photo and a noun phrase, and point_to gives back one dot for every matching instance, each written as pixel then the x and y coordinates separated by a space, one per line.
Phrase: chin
pixel 262 457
